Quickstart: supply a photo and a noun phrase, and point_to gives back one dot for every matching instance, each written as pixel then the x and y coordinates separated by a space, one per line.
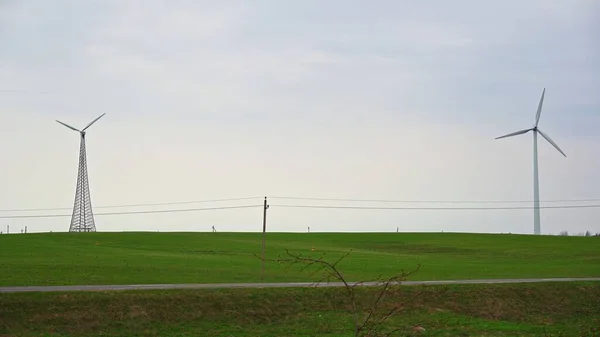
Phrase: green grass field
pixel 534 310
pixel 145 258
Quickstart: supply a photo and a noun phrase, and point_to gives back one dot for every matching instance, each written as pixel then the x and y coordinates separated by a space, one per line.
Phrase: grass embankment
pixel 143 258
pixel 466 310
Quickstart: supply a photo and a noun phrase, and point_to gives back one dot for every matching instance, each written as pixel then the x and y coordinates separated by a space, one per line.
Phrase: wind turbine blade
pixel 539 110
pixel 92 122
pixel 67 125
pixel 551 142
pixel 515 133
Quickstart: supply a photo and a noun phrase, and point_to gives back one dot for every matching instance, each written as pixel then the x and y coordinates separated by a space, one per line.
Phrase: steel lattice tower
pixel 82 219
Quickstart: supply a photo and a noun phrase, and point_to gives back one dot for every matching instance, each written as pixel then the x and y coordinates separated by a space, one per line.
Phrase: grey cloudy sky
pixel 336 99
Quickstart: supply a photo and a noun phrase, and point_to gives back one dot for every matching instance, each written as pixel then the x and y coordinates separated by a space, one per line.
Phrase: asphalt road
pixel 269 285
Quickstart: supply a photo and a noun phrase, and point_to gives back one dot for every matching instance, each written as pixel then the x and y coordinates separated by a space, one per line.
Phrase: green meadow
pixel 532 310
pixel 150 258
pixel 544 309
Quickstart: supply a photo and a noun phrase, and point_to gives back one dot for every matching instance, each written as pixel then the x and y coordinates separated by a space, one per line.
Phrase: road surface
pixel 269 285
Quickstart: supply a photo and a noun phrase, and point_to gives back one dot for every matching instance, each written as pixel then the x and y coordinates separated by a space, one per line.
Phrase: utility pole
pixel 264 233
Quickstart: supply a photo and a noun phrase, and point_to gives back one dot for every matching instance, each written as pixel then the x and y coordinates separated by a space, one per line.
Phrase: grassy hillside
pixel 143 258
pixel 471 310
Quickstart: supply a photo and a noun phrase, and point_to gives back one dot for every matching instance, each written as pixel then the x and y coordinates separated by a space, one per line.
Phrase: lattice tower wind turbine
pixel 536 184
pixel 82 219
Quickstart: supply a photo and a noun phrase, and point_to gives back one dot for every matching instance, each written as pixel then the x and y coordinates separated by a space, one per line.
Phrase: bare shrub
pixel 368 319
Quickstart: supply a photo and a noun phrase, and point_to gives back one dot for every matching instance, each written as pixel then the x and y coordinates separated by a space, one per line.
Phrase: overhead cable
pixel 434 201
pixel 342 200
pixel 437 208
pixel 132 212
pixel 129 205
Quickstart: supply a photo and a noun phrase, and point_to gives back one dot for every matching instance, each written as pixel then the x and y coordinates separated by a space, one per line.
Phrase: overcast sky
pixel 396 100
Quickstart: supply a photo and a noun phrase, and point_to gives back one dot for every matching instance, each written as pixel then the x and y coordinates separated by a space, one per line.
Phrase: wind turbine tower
pixel 82 219
pixel 536 184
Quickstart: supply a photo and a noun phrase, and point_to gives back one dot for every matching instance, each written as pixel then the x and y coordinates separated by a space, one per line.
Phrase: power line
pixel 306 206
pixel 436 201
pixel 437 208
pixel 337 199
pixel 133 212
pixel 128 205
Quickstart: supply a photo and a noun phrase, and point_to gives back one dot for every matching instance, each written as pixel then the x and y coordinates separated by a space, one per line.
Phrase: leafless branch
pixel 373 321
pixel 328 271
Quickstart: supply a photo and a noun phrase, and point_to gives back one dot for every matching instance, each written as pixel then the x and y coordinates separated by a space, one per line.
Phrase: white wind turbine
pixel 82 219
pixel 536 184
